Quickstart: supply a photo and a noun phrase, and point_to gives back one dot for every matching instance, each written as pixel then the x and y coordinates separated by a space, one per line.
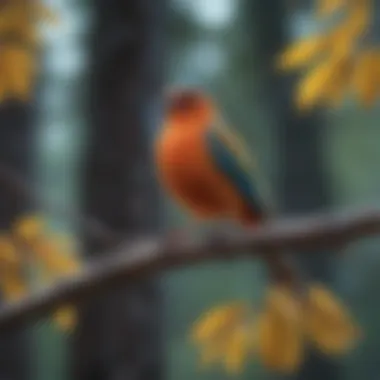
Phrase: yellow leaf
pixel 46 14
pixel 13 285
pixel 342 45
pixel 237 350
pixel 313 86
pixel 55 261
pixel 338 86
pixel 357 21
pixel 280 340
pixel 366 77
pixel 217 320
pixel 225 335
pixel 2 84
pixel 19 22
pixel 8 253
pixel 22 18
pixel 29 228
pixel 21 72
pixel 302 53
pixel 66 318
pixel 328 323
pixel 326 7
pixel 4 74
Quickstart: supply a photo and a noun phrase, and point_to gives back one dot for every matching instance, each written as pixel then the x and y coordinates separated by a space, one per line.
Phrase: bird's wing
pixel 235 144
pixel 230 157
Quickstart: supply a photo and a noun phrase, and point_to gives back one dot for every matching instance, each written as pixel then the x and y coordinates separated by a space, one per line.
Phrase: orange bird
pixel 203 165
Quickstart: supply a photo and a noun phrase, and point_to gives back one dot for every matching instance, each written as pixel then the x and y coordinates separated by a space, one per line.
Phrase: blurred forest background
pixel 98 104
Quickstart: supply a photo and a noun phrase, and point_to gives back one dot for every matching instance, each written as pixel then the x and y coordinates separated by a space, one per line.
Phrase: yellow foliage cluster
pixel 339 60
pixel 19 46
pixel 29 245
pixel 231 333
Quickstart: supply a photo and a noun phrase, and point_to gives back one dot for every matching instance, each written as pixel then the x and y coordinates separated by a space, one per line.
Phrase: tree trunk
pixel 16 142
pixel 302 184
pixel 303 189
pixel 119 335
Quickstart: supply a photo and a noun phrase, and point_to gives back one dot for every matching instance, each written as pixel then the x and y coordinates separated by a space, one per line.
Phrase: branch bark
pixel 134 261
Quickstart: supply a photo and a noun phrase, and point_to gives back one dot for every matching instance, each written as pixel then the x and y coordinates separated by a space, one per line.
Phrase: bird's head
pixel 189 108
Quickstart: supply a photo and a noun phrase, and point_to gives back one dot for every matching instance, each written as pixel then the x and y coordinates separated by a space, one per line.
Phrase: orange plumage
pixel 185 167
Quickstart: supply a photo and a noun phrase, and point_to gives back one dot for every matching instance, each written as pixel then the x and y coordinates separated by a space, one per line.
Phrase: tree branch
pixel 132 261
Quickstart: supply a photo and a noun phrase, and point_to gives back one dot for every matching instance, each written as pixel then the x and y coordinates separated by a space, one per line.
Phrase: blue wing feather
pixel 233 170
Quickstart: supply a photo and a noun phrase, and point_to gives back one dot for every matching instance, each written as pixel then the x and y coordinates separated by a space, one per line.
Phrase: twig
pixel 134 261
pixel 28 193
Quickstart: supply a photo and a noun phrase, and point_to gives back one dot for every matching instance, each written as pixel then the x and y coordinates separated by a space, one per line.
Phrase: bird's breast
pixel 182 160
pixel 188 173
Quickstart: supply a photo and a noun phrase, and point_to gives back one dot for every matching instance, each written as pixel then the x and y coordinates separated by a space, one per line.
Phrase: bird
pixel 206 168
pixel 203 164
